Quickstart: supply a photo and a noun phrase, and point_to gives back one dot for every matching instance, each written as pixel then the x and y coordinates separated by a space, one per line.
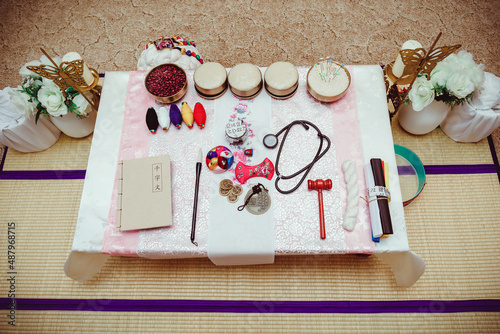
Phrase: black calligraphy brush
pixel 195 205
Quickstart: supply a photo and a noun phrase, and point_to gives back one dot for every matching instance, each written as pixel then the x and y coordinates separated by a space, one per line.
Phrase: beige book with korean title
pixel 144 193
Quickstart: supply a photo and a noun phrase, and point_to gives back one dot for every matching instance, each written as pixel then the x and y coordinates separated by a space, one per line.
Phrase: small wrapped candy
pixel 164 118
pixel 200 116
pixel 175 116
pixel 152 120
pixel 187 114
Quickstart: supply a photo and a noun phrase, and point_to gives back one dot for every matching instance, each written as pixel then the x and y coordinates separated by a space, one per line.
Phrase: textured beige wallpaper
pixel 110 35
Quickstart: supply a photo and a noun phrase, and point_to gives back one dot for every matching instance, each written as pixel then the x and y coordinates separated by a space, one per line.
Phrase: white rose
pixel 421 93
pixel 24 72
pixel 81 104
pixel 465 58
pixel 444 69
pixel 475 72
pixel 50 96
pixel 459 84
pixel 21 101
pixel 476 75
pixel 440 74
pixel 37 82
pixel 32 83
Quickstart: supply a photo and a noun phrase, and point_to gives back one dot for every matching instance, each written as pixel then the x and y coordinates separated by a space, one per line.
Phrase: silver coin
pixel 259 203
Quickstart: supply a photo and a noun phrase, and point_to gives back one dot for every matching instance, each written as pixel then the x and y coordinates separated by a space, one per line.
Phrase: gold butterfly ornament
pixel 416 61
pixel 69 74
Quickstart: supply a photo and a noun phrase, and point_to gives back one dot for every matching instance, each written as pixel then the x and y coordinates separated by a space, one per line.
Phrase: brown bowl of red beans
pixel 167 83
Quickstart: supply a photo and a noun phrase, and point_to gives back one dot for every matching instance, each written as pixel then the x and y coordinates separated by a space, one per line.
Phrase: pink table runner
pixel 346 131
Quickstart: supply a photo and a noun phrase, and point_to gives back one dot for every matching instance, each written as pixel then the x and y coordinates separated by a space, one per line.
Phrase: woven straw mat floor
pixel 452 225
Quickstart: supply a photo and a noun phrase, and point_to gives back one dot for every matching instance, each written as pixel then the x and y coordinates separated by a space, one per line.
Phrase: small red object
pixel 199 114
pixel 264 169
pixel 248 153
pixel 320 185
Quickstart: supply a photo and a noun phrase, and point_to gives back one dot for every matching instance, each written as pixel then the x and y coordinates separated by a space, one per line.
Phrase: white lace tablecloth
pixel 358 126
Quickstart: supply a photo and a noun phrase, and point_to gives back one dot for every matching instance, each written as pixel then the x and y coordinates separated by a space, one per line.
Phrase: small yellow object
pixel 187 115
pixel 183 51
pixel 386 174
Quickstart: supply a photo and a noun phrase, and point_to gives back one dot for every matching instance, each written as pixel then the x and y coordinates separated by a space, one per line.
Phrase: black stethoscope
pixel 271 141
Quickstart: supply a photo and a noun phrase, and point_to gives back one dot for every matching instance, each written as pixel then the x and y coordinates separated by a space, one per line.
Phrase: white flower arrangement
pixel 453 81
pixel 41 96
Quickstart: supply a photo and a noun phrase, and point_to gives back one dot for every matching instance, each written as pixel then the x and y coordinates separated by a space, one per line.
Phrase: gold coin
pixel 226 184
pixel 232 198
pixel 237 190
pixel 224 192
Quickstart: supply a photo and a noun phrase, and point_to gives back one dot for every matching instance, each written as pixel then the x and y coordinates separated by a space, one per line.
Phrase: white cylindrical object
pixel 281 79
pixel 87 75
pixel 210 76
pixel 281 75
pixel 245 80
pixel 210 80
pixel 398 67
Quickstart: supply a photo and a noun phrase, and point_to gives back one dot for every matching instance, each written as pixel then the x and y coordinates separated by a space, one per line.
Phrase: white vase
pixel 425 120
pixel 74 126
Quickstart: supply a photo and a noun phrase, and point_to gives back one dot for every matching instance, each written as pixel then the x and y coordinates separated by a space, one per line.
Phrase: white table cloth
pixel 95 237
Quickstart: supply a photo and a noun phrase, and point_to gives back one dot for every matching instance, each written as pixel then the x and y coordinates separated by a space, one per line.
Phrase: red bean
pixel 165 80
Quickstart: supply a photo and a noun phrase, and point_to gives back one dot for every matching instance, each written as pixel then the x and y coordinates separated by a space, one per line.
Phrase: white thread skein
pixel 164 118
pixel 351 179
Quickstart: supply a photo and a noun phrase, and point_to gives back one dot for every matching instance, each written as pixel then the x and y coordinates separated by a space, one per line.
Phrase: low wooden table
pixel 120 133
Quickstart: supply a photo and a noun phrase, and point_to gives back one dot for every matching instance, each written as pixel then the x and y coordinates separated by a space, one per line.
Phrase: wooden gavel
pixel 320 185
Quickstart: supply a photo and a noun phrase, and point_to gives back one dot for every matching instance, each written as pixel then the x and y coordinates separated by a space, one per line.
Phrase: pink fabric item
pixel 264 169
pixel 346 131
pixel 133 145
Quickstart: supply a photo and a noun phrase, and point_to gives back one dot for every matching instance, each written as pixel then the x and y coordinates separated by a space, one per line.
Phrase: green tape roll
pixel 411 173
